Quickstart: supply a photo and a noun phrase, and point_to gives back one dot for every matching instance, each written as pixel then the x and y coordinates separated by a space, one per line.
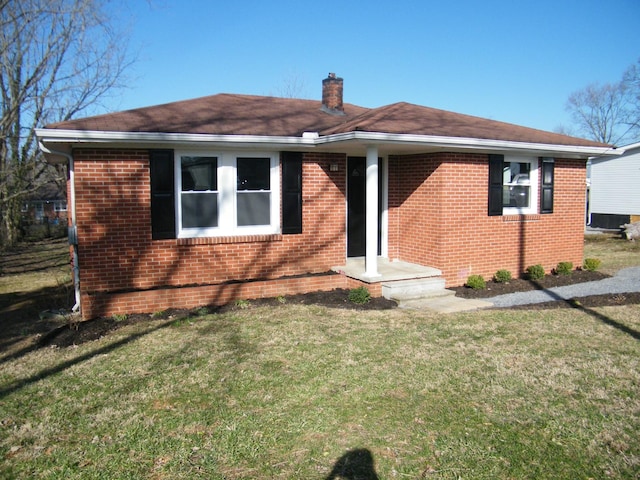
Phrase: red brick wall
pixel 117 255
pixel 438 217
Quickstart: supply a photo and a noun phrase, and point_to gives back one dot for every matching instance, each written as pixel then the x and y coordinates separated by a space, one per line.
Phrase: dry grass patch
pixel 614 251
pixel 293 391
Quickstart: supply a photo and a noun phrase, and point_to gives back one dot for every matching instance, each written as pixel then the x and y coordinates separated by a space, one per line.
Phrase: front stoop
pixel 415 288
pixel 411 285
pixel 428 293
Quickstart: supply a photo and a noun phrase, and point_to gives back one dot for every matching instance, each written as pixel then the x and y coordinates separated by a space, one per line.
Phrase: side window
pixel 516 185
pixel 514 182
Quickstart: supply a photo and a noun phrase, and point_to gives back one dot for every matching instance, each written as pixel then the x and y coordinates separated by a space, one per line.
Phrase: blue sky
pixel 514 61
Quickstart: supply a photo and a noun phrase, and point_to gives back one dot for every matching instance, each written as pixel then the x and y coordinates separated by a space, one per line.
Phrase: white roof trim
pixel 60 136
pixel 464 142
pixel 48 135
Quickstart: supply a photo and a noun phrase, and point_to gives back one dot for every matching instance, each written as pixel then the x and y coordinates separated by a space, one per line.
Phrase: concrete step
pixel 446 304
pixel 403 290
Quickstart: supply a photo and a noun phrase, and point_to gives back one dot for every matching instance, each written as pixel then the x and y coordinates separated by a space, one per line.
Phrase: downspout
pixel 73 233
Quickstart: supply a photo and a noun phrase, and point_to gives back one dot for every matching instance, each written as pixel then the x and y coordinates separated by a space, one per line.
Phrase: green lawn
pixel 286 392
pixel 307 392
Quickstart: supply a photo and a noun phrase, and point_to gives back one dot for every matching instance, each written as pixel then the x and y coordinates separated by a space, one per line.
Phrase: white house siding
pixel 615 185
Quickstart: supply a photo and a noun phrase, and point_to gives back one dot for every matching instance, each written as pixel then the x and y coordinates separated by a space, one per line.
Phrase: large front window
pixel 226 194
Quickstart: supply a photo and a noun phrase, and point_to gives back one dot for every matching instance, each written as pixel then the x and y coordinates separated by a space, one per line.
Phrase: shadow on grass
pixel 599 316
pixel 354 465
pixel 19 384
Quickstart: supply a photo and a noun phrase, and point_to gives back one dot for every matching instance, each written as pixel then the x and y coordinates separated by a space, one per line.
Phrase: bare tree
pixel 608 113
pixel 57 59
pixel 631 79
pixel 599 111
pixel 293 86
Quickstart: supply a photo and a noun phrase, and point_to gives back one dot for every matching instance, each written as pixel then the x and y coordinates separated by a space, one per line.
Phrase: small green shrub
pixel 502 276
pixel 120 317
pixel 476 282
pixel 242 304
pixel 281 299
pixel 564 268
pixel 591 264
pixel 359 295
pixel 535 272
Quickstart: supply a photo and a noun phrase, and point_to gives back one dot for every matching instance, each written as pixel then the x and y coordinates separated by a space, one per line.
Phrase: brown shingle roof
pixel 418 120
pixel 222 114
pixel 228 114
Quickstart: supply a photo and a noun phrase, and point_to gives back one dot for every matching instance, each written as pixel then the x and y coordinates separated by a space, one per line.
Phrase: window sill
pixel 277 237
pixel 530 217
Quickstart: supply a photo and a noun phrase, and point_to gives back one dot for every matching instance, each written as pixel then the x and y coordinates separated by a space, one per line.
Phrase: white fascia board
pixel 466 143
pixel 47 135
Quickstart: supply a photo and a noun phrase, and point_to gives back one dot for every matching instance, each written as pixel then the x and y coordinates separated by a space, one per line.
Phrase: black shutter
pixel 163 208
pixel 546 205
pixel 496 166
pixel 291 192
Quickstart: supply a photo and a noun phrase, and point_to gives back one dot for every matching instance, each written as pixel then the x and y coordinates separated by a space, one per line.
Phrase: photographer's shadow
pixel 354 465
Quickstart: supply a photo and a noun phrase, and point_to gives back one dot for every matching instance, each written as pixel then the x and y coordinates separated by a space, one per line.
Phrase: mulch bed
pixel 522 285
pixel 81 332
pixel 88 330
pixel 550 281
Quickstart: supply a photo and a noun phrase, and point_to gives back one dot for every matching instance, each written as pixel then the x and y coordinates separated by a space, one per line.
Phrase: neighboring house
pixel 233 196
pixel 47 204
pixel 614 190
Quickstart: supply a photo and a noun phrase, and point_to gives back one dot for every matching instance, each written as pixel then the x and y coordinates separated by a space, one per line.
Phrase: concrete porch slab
pixel 389 270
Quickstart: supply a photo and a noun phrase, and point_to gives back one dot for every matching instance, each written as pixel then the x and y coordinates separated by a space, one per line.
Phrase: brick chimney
pixel 332 95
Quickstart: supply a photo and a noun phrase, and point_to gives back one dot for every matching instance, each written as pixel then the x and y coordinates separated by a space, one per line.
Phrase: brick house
pixel 208 200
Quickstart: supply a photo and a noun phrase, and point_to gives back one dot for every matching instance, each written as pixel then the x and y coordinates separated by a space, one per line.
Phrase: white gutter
pixel 74 229
pixel 463 142
pixel 89 136
pixel 311 140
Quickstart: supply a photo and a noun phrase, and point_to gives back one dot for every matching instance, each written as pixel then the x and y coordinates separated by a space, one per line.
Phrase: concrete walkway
pixel 624 281
pixel 446 304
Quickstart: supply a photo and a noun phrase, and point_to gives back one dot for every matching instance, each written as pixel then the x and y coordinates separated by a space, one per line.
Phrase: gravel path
pixel 624 281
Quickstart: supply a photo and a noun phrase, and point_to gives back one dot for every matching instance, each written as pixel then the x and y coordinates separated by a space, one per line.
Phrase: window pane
pixel 199 174
pixel 516 196
pixel 517 172
pixel 516 180
pixel 254 209
pixel 199 210
pixel 254 173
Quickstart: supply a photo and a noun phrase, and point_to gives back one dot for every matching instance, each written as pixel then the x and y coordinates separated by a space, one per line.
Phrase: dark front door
pixel 357 207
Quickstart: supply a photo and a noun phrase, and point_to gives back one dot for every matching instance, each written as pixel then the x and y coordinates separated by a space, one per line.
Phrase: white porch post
pixel 371 252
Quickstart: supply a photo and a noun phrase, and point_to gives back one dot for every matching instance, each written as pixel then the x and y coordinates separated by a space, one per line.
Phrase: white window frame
pixel 533 186
pixel 60 206
pixel 227 195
